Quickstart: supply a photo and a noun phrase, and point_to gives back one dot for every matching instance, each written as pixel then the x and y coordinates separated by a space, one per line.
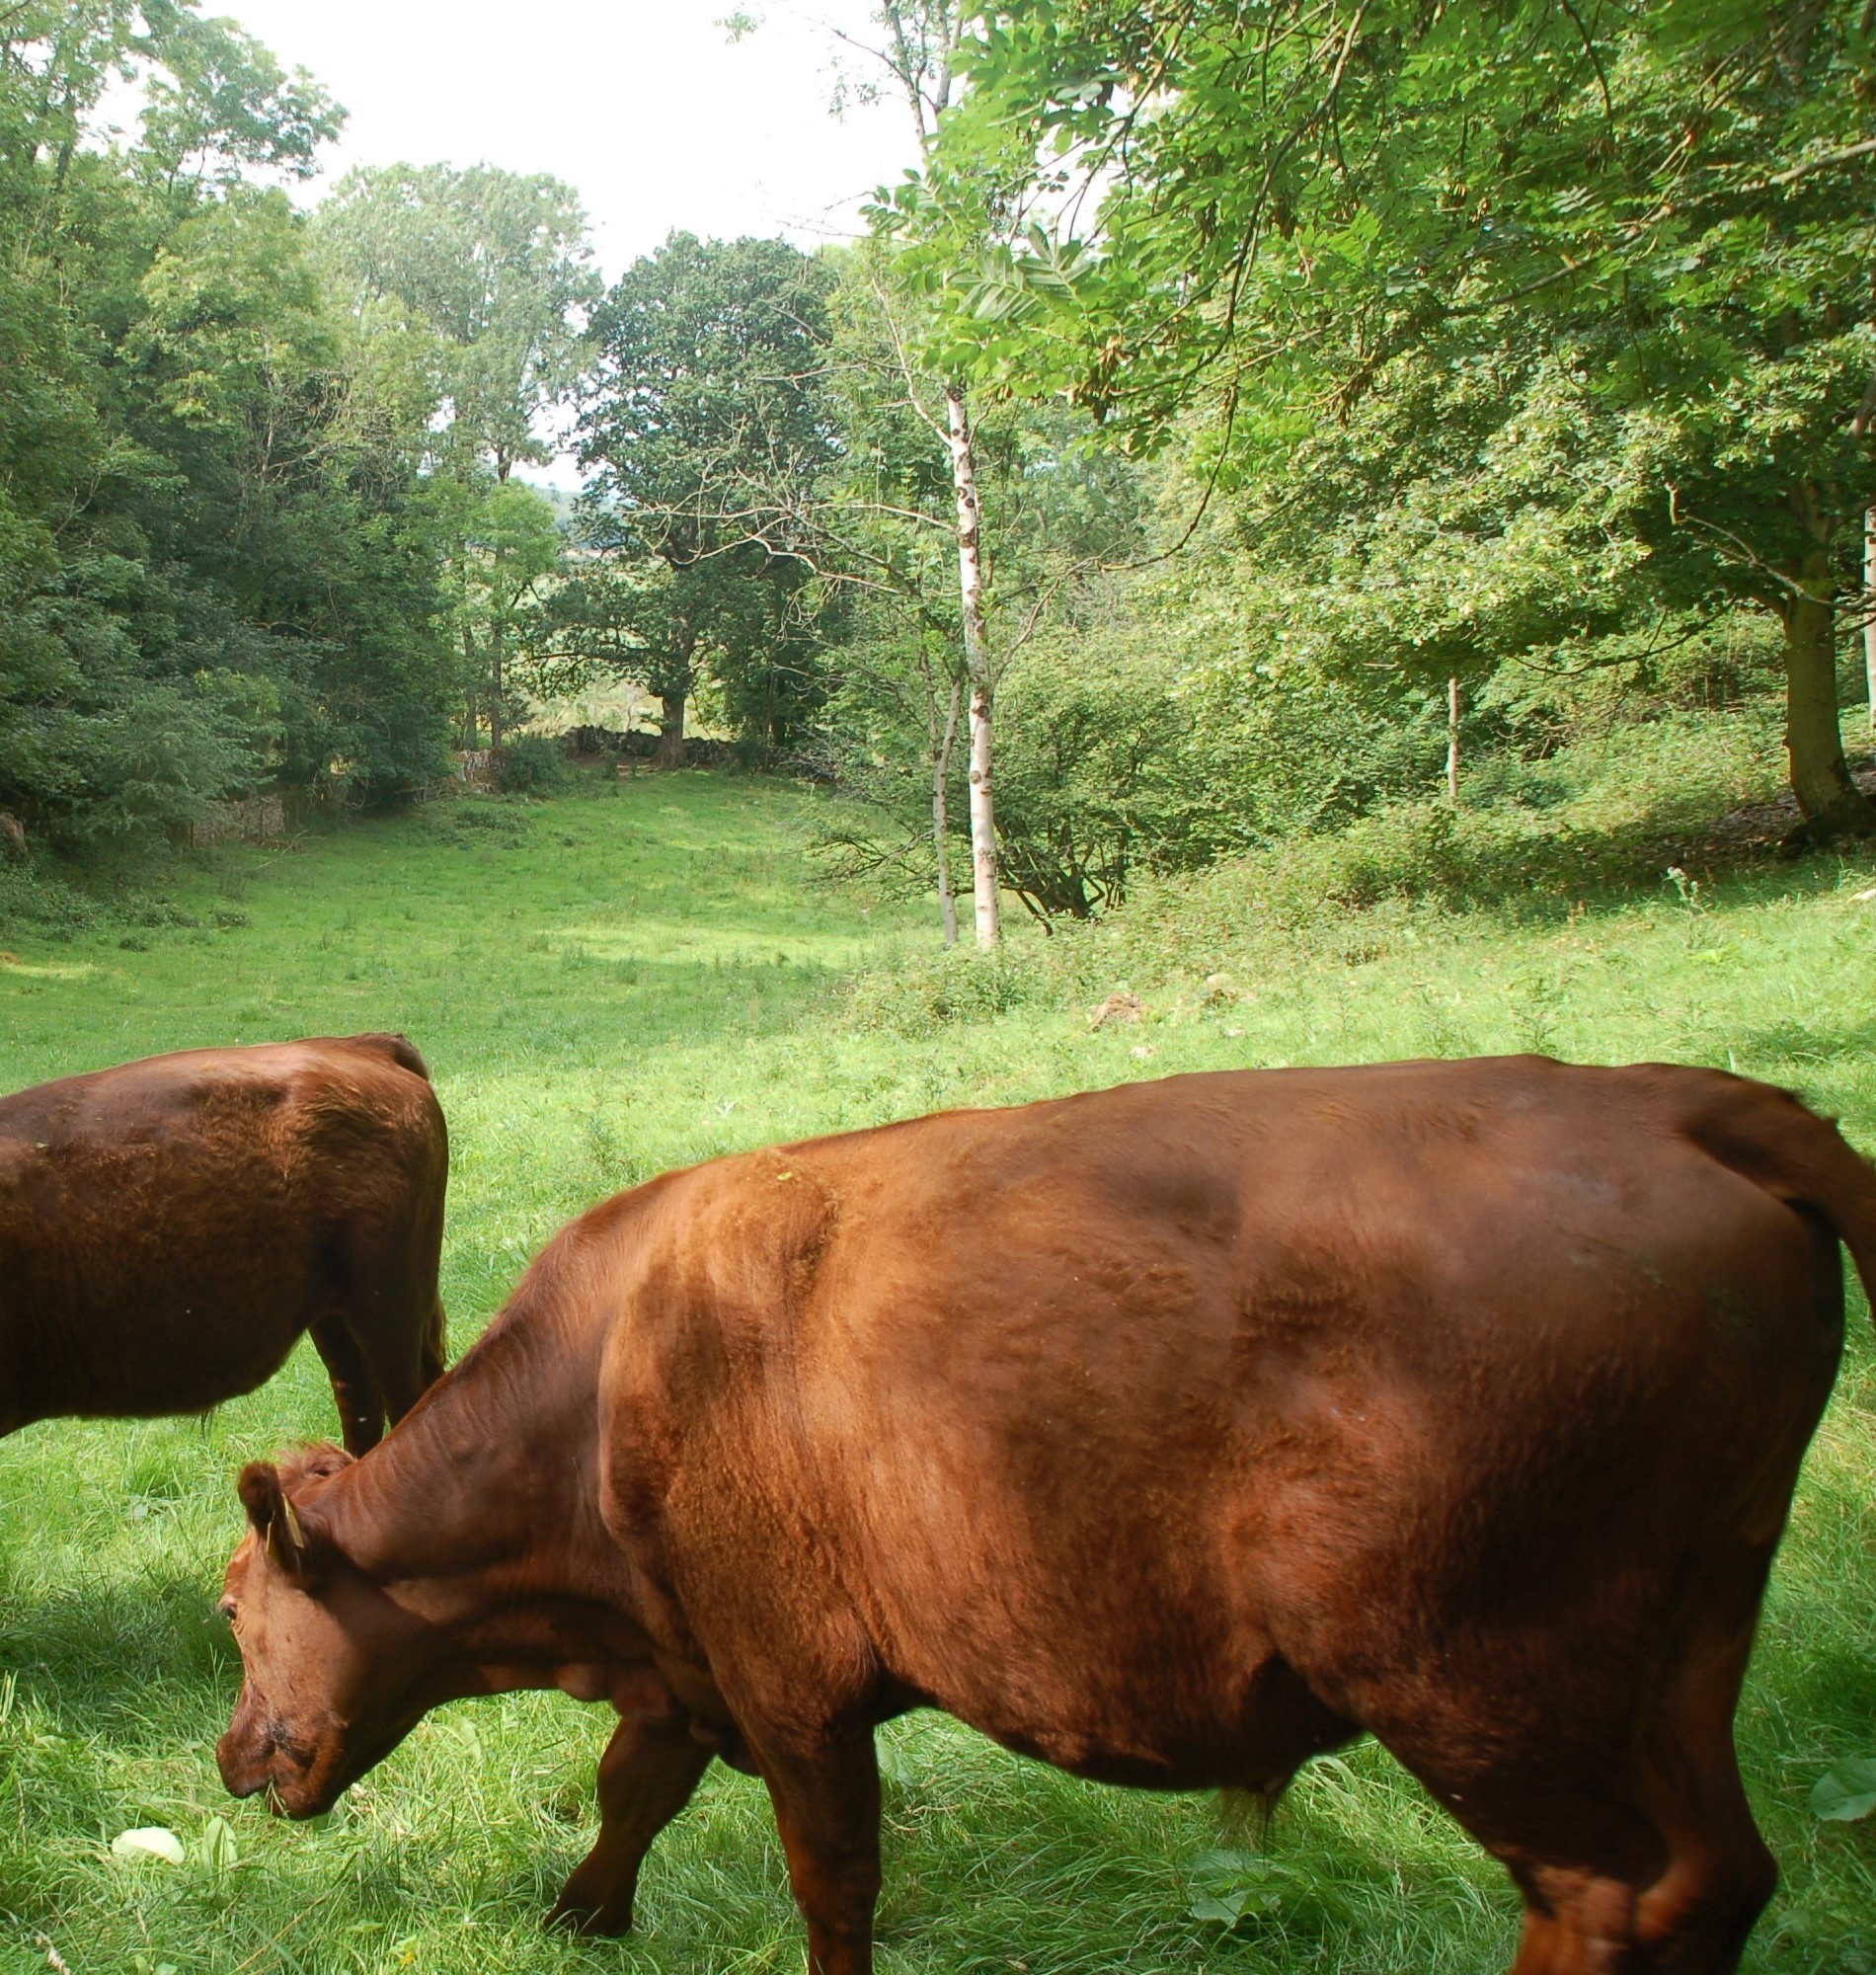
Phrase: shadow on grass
pixel 129 1660
pixel 1528 867
pixel 1810 1042
pixel 1829 1688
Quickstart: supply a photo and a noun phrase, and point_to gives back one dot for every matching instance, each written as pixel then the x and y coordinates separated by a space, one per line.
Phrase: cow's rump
pixel 170 1228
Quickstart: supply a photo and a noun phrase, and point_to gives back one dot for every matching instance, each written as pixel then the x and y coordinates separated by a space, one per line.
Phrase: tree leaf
pixel 1847 1791
pixel 217 1846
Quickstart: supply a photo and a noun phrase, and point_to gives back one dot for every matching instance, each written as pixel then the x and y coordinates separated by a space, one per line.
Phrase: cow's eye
pixel 227 1610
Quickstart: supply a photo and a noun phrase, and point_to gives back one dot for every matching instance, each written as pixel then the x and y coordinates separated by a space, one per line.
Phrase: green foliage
pixel 1845 1792
pixel 495 270
pixel 477 284
pixel 213 573
pixel 702 427
pixel 42 906
pixel 1092 781
pixel 1503 325
pixel 1053 511
pixel 506 554
pixel 531 765
pixel 220 103
pixel 1228 1886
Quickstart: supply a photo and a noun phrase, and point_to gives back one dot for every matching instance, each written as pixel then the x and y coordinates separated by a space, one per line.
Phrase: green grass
pixel 613 984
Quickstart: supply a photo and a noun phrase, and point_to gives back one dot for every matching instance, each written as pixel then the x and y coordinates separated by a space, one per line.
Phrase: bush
pixel 1610 813
pixel 35 900
pixel 958 986
pixel 533 765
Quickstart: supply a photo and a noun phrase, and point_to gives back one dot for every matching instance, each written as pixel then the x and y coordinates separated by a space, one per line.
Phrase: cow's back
pixel 1310 1371
pixel 169 1228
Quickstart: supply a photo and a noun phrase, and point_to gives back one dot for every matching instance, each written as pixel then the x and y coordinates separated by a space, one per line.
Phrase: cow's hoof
pixel 578 1916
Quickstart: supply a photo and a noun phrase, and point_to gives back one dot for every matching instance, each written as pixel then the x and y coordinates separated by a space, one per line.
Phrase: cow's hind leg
pixel 1689 1915
pixel 1692 1918
pixel 828 1810
pixel 407 1357
pixel 385 1284
pixel 646 1777
pixel 1638 1856
pixel 354 1385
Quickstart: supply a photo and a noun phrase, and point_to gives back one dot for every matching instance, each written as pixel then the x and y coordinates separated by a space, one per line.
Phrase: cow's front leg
pixel 828 1810
pixel 646 1777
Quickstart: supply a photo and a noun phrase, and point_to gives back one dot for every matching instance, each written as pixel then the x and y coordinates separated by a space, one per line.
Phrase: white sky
pixel 644 105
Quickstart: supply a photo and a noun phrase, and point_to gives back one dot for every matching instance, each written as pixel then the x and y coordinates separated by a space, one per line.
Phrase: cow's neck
pixel 480 1516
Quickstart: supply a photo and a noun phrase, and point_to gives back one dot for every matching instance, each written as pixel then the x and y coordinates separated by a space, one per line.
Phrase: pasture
pixel 627 980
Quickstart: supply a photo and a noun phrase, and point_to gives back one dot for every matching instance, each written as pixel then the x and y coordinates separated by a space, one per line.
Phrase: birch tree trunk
pixel 1452 741
pixel 1869 609
pixel 977 665
pixel 942 744
pixel 922 41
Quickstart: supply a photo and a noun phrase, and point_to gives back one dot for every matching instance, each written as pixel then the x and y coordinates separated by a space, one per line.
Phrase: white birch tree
pixel 919 54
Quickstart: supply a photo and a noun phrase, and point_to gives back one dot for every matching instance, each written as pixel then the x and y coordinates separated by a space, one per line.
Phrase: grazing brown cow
pixel 1171 1435
pixel 169 1229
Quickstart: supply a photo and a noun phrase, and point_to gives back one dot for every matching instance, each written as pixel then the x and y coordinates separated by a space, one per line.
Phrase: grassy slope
pixel 620 984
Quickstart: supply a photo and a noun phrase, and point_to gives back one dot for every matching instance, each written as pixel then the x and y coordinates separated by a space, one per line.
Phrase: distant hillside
pixel 564 501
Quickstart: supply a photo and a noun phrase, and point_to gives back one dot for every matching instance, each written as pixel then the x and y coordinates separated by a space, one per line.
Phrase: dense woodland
pixel 1242 415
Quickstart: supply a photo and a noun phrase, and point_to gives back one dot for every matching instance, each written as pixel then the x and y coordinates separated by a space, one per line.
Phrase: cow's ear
pixel 294 1540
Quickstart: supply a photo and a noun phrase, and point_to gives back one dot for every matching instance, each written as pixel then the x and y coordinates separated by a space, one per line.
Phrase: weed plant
pixel 617 983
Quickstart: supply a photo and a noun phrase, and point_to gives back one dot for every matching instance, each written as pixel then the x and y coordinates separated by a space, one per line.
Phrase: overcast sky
pixel 644 105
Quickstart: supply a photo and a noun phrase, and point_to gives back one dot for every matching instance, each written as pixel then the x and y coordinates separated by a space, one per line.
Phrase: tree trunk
pixel 1869 611
pixel 471 719
pixel 495 686
pixel 1452 741
pixel 677 673
pixel 941 810
pixel 670 731
pixel 983 869
pixel 976 664
pixel 1832 803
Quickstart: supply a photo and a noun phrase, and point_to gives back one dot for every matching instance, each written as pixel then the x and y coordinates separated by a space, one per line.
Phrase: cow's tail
pixel 435 1346
pixel 433 1340
pixel 1772 1138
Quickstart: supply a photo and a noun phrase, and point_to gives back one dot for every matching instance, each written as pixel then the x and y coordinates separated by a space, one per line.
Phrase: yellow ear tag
pixel 292 1525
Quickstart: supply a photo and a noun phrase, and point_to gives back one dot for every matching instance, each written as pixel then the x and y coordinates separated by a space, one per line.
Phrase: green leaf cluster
pixel 217 572
pixel 1501 328
pixel 703 429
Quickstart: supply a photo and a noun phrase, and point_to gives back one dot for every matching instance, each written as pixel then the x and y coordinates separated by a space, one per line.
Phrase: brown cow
pixel 1171 1435
pixel 170 1228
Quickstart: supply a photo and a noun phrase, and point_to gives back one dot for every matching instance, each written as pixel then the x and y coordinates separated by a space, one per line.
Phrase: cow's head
pixel 329 1664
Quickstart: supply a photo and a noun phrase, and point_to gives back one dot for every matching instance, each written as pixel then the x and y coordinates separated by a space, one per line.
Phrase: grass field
pixel 616 983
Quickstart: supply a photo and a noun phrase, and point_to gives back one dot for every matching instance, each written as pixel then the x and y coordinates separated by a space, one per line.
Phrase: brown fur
pixel 169 1229
pixel 1171 1435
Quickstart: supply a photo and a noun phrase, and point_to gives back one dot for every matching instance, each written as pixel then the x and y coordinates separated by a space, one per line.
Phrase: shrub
pixel 45 904
pixel 531 765
pixel 959 986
